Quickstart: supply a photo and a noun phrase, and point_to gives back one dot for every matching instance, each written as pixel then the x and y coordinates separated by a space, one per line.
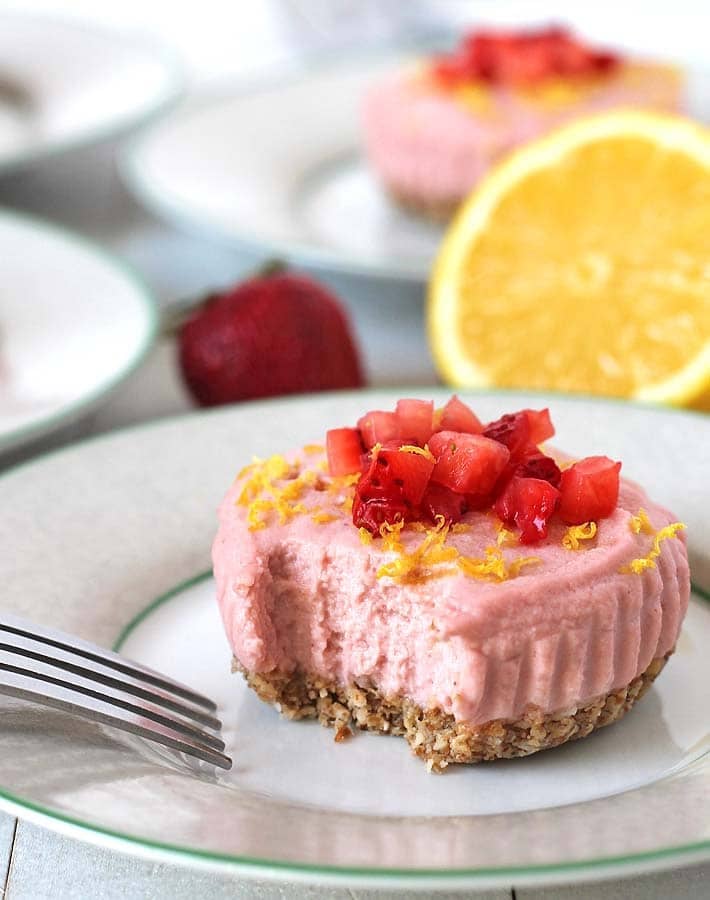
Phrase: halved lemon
pixel 582 263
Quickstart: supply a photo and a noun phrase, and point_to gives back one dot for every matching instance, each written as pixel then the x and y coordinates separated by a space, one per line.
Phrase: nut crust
pixel 433 735
pixel 438 211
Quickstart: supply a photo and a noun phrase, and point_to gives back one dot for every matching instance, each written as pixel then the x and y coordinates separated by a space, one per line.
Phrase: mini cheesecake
pixel 505 607
pixel 432 131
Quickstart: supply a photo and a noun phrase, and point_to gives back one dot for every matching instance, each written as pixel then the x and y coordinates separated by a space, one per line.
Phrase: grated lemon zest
pixel 312 449
pixel 415 567
pixel 641 522
pixel 494 565
pixel 347 505
pixel 638 566
pixel 505 537
pixel 577 533
pixel 263 495
pixel 390 534
pixel 321 518
pixel 262 472
pixel 340 482
pixel 420 451
pixel 419 527
pixel 428 560
pixel 460 528
pixel 365 536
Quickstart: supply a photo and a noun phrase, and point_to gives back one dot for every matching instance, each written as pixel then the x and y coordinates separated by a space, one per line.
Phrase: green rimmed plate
pixel 66 84
pixel 73 323
pixel 93 534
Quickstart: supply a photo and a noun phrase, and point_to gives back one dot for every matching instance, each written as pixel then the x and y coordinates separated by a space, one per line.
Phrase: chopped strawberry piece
pixel 528 503
pixel 416 419
pixel 401 473
pixel 512 430
pixel 378 427
pixel 520 57
pixel 371 512
pixel 537 465
pixel 541 427
pixel 589 490
pixel 467 463
pixel 344 451
pixel 457 416
pixel 442 501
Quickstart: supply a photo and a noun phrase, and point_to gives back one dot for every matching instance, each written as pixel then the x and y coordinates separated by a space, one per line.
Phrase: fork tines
pixel 65 672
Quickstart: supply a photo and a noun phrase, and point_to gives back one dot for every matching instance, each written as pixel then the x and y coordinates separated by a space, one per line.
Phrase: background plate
pixel 279 167
pixel 93 533
pixel 73 323
pixel 64 84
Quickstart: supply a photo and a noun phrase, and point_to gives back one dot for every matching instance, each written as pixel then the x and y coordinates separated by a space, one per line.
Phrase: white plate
pixel 93 534
pixel 73 323
pixel 279 167
pixel 64 84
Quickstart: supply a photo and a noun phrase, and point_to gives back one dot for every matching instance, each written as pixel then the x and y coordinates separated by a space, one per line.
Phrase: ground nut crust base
pixel 435 736
pixel 438 211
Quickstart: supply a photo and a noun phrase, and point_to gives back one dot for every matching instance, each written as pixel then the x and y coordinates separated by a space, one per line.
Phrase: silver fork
pixel 65 672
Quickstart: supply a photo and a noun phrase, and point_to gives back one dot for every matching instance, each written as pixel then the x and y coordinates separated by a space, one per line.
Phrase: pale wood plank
pixel 679 884
pixel 7 834
pixel 47 866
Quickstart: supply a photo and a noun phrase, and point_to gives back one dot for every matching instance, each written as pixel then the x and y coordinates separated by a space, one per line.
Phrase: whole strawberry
pixel 277 333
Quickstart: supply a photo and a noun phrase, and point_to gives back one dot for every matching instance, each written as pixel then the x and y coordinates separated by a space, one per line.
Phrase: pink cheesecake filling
pixel 433 144
pixel 306 595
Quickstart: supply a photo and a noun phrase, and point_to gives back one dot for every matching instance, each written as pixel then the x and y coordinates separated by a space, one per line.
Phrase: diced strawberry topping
pixel 442 501
pixel 417 473
pixel 520 58
pixel 537 465
pixel 344 451
pixel 378 427
pixel 528 503
pixel 467 463
pixel 401 472
pixel 416 419
pixel 457 416
pixel 372 511
pixel 589 490
pixel 541 427
pixel 512 430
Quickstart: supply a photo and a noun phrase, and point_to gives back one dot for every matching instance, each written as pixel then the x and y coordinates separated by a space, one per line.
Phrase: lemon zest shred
pixel 390 533
pixel 641 522
pixel 312 449
pixel 505 537
pixel 494 565
pixel 428 560
pixel 638 566
pixel 262 473
pixel 365 536
pixel 263 495
pixel 340 482
pixel 415 566
pixel 577 533
pixel 515 565
pixel 460 528
pixel 347 505
pixel 320 518
pixel 420 451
